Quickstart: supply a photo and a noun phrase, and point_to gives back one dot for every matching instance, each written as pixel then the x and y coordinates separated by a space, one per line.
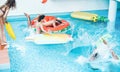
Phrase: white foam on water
pixel 20 48
pixel 81 60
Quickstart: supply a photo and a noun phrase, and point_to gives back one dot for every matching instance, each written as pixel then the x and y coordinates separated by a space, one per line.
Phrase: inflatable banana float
pixel 10 30
pixel 49 38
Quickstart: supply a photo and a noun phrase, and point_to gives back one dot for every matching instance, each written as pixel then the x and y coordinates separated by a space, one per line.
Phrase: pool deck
pixel 4 59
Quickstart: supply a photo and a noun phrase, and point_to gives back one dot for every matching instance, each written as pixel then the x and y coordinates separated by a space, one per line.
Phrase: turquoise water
pixel 30 57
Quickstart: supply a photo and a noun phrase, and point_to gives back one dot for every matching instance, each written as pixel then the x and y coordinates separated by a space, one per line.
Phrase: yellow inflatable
pixel 84 16
pixel 10 30
pixel 49 38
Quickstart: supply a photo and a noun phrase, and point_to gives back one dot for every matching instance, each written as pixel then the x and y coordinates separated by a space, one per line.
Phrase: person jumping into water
pixel 103 52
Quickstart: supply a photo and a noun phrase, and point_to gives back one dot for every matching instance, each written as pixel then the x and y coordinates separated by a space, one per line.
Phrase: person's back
pixel 49 18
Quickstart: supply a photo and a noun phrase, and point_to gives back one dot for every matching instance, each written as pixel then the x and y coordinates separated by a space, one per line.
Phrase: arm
pixel 111 51
pixel 114 55
pixel 6 12
pixel 41 27
pixel 28 18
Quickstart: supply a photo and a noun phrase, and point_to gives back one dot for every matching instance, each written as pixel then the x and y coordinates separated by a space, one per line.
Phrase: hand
pixel 27 15
pixel 104 41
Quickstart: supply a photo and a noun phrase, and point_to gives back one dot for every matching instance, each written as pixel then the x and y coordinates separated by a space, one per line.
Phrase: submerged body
pixel 103 51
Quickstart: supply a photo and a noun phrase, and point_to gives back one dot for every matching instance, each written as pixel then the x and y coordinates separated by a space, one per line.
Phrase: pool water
pixel 30 57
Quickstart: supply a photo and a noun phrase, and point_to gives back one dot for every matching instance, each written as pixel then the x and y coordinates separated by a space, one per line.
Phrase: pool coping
pixel 5 61
pixel 4 66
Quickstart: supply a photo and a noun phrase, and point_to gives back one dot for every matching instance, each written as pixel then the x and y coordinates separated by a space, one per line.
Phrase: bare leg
pixel 3 42
pixel 54 25
pixel 3 35
pixel 28 18
pixel 114 55
pixel 0 37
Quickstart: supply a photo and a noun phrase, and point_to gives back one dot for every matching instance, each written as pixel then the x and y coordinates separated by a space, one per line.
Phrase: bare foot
pixel 27 15
pixel 3 46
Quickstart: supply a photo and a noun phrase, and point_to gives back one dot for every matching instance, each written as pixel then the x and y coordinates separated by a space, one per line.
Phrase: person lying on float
pixel 43 20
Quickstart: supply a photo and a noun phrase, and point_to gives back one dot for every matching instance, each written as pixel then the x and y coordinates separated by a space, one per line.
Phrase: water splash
pixel 20 48
pixel 101 64
pixel 81 60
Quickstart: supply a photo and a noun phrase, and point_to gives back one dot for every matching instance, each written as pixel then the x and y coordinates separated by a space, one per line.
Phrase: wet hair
pixel 40 17
pixel 96 55
pixel 11 3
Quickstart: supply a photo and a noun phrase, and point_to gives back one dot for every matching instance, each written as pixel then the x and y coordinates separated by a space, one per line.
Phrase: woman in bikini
pixel 4 9
pixel 43 21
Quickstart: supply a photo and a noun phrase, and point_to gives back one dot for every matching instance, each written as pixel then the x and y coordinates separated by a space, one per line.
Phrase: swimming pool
pixel 29 57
